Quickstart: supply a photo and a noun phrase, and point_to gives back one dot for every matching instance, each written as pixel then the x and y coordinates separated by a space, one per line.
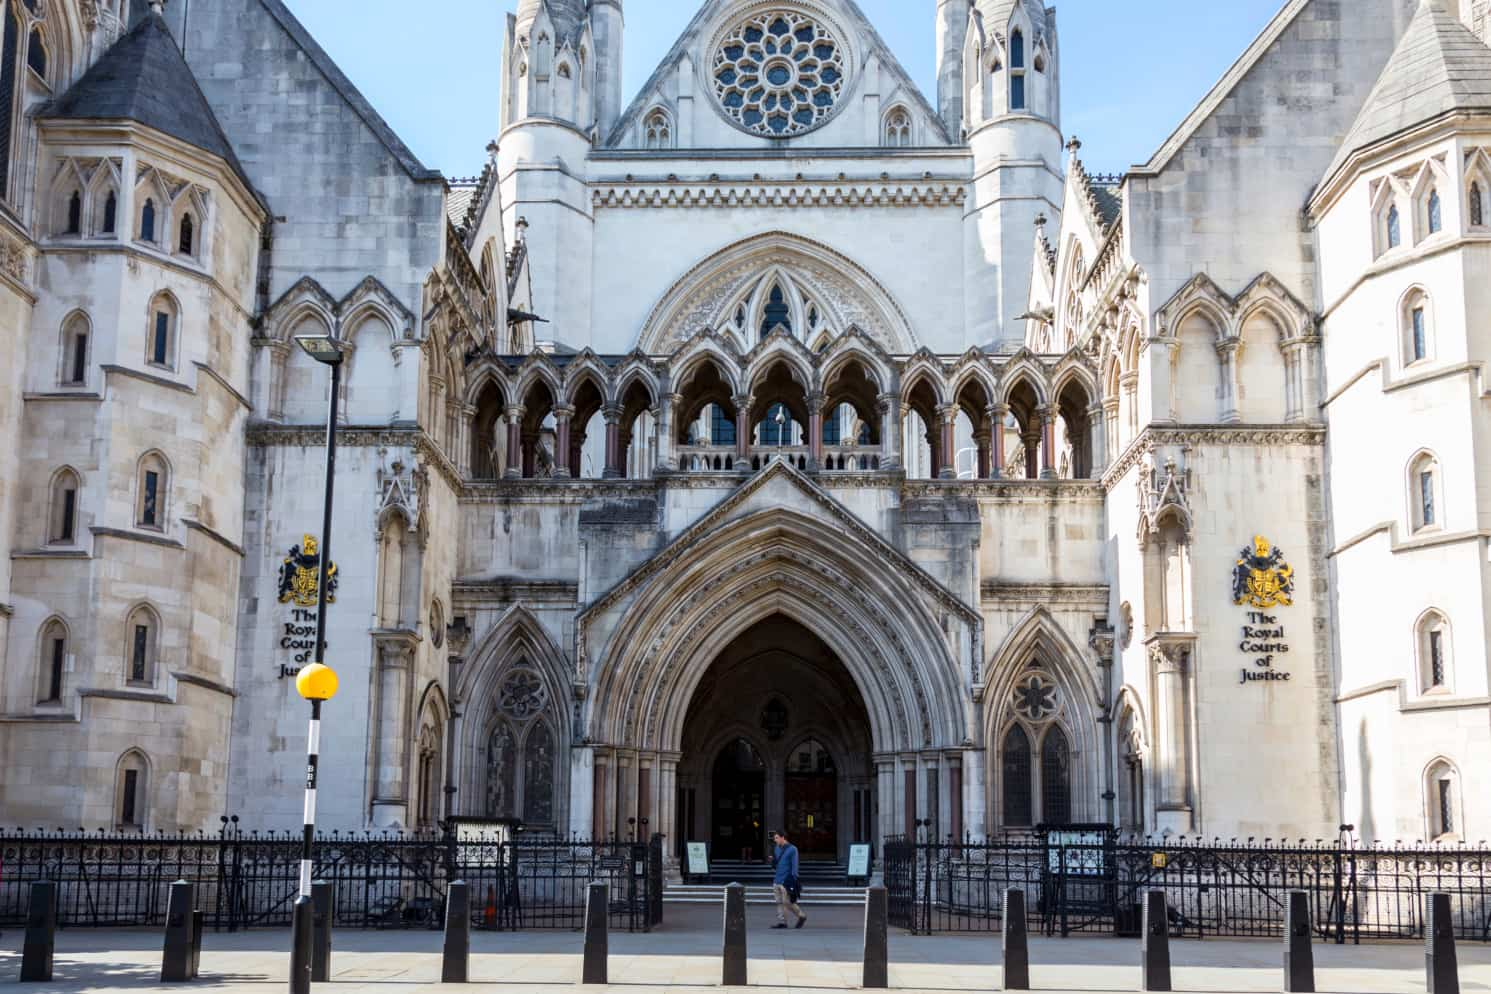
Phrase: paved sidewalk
pixel 684 957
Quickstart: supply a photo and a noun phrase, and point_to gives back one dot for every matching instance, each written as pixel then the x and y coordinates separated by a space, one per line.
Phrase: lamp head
pixel 322 348
pixel 317 682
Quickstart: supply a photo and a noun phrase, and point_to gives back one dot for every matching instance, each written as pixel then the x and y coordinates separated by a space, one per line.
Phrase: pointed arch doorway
pixel 777 736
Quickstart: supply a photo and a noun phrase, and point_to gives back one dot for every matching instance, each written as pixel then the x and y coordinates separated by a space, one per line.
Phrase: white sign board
pixel 698 856
pixel 859 861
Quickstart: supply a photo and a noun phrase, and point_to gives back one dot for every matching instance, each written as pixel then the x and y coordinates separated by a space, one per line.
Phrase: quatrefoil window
pixel 1035 698
pixel 779 73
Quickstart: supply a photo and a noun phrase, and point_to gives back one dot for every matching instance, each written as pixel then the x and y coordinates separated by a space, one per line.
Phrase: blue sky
pixel 1130 72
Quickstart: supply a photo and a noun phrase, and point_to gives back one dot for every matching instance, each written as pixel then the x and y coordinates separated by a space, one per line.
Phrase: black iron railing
pixel 1212 889
pixel 380 880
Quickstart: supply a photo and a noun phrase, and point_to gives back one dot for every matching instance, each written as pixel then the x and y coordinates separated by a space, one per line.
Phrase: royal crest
pixel 300 575
pixel 1262 578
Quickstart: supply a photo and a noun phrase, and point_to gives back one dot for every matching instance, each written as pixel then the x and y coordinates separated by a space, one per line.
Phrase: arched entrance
pixel 777 736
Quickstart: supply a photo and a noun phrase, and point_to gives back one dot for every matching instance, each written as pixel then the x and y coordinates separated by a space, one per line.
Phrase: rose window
pixel 779 74
pixel 1035 698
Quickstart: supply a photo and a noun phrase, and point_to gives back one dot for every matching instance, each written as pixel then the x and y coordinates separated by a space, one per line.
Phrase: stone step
pixel 715 894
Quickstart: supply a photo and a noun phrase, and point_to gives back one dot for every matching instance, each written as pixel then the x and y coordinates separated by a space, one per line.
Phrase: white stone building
pixel 783 447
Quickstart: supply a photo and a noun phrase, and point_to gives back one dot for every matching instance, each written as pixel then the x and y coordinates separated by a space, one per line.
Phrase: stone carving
pixel 779 73
pixel 523 696
pixel 1035 697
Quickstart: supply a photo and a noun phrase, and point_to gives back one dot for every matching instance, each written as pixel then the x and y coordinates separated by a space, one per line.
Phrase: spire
pixel 1439 66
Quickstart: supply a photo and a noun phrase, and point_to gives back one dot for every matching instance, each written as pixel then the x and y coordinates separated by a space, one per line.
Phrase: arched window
pixel 1425 489
pixel 142 635
pixel 1435 211
pixel 776 312
pixel 150 501
pixel 186 244
pixel 1394 227
pixel 538 775
pixel 109 221
pixel 1056 778
pixel 1417 335
pixel 1017 70
pixel 9 56
pixel 52 664
pixel 147 220
pixel 1477 205
pixel 502 773
pixel 1131 814
pixel 36 54
pixel 62 526
pixel 898 128
pixel 1432 638
pixel 164 321
pixel 75 341
pixel 74 214
pixel 1442 802
pixel 130 790
pixel 657 131
pixel 1019 806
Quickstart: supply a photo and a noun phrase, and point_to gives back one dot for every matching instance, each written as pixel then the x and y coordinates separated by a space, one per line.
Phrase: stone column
pixel 1128 386
pixel 1294 405
pixel 1030 438
pixel 743 430
pixel 562 418
pixel 887 800
pixel 603 818
pixel 1048 442
pixel 1227 351
pixel 514 455
pixel 947 423
pixel 465 424
pixel 582 780
pixel 279 355
pixel 1171 659
pixel 436 428
pixel 955 798
pixel 890 431
pixel 667 459
pixel 391 731
pixel 996 414
pixel 614 469
pixel 815 430
pixel 975 811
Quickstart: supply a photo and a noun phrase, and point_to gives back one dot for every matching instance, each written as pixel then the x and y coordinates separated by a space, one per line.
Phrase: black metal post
pixel 1155 944
pixel 41 933
pixel 302 949
pixel 1299 951
pixel 877 940
pixel 735 937
pixel 1440 961
pixel 1015 942
pixel 597 940
pixel 455 963
pixel 176 958
pixel 321 917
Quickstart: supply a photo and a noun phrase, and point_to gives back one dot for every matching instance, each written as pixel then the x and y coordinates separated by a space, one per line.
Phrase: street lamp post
pixel 317 682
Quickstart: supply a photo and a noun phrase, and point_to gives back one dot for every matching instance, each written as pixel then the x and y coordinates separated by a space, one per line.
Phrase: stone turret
pixel 952 34
pixel 606 25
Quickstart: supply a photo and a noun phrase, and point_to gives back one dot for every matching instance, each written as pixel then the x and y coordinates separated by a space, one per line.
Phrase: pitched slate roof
pixel 1439 66
pixel 144 78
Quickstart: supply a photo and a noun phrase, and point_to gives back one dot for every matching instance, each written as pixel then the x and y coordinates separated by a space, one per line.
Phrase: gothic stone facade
pixel 783 448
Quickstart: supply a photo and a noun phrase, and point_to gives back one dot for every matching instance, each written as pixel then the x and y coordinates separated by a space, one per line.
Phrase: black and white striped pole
pixel 317 682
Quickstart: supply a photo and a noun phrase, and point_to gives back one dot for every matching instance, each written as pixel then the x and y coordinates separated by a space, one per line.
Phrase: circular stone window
pixel 779 73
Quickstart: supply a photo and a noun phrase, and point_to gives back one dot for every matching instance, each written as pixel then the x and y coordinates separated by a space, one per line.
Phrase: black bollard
pixel 41 933
pixel 1015 942
pixel 321 915
pixel 1155 944
pixel 877 939
pixel 302 938
pixel 1439 946
pixel 597 940
pixel 455 965
pixel 1299 949
pixel 176 959
pixel 197 919
pixel 735 937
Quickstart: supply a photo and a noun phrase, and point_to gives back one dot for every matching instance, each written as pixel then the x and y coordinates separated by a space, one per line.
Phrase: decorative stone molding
pixel 1163 493
pixel 778 196
pixel 1195 436
pixel 1092 595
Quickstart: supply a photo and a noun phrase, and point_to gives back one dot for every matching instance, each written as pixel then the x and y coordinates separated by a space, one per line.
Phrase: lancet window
pixel 521 752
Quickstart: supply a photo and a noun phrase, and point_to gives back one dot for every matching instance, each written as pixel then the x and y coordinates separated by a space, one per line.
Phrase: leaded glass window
pixel 111 213
pixel 8 94
pixel 36 53
pixel 1436 659
pixel 779 73
pixel 187 242
pixel 1420 339
pixel 160 342
pixel 1394 227
pixel 777 312
pixel 538 775
pixel 147 221
pixel 1436 213
pixel 1477 206
pixel 56 662
pixel 502 773
pixel 1018 799
pixel 777 428
pixel 1017 50
pixel 1446 801
pixel 1056 778
pixel 832 429
pixel 150 499
pixel 75 214
pixel 129 804
pixel 721 428
pixel 1426 497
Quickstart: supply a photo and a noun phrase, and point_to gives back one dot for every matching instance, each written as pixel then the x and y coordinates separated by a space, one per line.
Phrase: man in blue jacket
pixel 785 882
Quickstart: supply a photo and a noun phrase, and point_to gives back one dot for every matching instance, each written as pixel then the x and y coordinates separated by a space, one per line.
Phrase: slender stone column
pixel 1171 661
pixel 984 439
pixel 743 428
pixel 997 413
pixel 614 469
pixel 514 456
pixel 1048 442
pixel 562 418
pixel 815 430
pixel 1228 351
pixel 1111 447
pixel 1097 440
pixel 947 423
pixel 1031 439
pixel 667 460
pixel 890 431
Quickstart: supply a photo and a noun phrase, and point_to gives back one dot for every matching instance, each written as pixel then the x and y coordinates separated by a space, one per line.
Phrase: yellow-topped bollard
pixel 317 682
